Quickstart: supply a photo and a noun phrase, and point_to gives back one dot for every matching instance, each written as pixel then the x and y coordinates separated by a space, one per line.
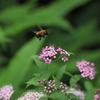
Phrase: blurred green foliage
pixel 73 25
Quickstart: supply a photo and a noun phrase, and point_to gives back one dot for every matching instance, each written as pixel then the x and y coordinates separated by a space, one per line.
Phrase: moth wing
pixel 39 27
pixel 34 31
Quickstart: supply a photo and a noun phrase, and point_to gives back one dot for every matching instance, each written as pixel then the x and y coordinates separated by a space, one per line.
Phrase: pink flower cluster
pixel 97 91
pixel 6 92
pixel 41 81
pixel 78 93
pixel 63 87
pixel 32 96
pixel 50 52
pixel 97 95
pixel 50 86
pixel 86 68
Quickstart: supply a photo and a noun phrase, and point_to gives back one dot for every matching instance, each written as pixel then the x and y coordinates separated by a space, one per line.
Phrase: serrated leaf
pixel 60 72
pixel 42 65
pixel 45 74
pixel 32 81
pixel 74 80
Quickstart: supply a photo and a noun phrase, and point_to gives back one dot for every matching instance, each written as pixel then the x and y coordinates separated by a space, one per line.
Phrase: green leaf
pixel 20 64
pixel 73 96
pixel 90 90
pixel 10 13
pixel 60 72
pixel 45 74
pixel 57 83
pixel 88 85
pixel 3 39
pixel 36 74
pixel 34 89
pixel 74 80
pixel 71 53
pixel 69 74
pixel 57 95
pixel 39 15
pixel 32 81
pixel 42 65
pixel 89 94
pixel 42 98
pixel 39 89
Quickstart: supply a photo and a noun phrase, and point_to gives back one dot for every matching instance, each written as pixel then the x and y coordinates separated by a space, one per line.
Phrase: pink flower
pixel 97 91
pixel 64 59
pixel 50 52
pixel 32 96
pixel 6 92
pixel 87 69
pixel 96 97
pixel 48 61
pixel 78 93
pixel 97 94
pixel 59 49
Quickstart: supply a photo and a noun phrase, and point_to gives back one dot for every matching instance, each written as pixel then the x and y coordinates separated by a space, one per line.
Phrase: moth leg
pixel 43 36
